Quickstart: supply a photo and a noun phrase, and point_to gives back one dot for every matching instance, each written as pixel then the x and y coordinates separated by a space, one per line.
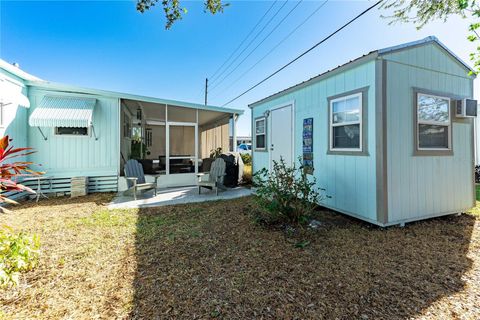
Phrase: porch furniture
pixel 38 180
pixel 147 165
pixel 206 164
pixel 214 179
pixel 136 179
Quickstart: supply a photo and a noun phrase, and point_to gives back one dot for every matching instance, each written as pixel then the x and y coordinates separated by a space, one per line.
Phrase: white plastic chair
pixel 136 179
pixel 214 179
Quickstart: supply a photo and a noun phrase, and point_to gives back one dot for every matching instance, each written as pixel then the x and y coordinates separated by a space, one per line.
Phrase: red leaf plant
pixel 11 171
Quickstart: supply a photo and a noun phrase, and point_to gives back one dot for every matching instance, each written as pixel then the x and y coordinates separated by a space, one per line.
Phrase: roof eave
pixel 429 39
pixel 121 95
pixel 351 64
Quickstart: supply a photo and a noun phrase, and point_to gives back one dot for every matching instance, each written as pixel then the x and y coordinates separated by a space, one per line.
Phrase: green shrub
pixel 246 158
pixel 247 175
pixel 216 153
pixel 286 194
pixel 18 253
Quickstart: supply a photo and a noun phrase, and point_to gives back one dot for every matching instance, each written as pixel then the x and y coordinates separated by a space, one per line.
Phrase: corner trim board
pixel 381 143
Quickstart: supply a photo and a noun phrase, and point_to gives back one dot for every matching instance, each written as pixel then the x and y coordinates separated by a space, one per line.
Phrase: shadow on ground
pixel 210 260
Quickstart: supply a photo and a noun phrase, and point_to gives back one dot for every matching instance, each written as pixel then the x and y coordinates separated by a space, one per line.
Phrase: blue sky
pixel 109 45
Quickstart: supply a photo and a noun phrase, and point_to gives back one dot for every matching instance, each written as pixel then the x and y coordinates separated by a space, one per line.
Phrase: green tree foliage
pixel 174 11
pixel 420 12
pixel 246 158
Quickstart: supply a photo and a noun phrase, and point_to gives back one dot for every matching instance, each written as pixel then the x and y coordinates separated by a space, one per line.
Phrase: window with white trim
pixel 433 122
pixel 260 133
pixel 346 123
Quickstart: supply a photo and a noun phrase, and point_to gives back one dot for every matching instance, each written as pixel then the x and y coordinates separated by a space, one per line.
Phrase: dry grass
pixel 210 261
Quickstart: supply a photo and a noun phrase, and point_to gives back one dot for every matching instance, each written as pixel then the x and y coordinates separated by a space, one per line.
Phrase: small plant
pixel 18 253
pixel 286 193
pixel 139 149
pixel 215 153
pixel 246 158
pixel 10 170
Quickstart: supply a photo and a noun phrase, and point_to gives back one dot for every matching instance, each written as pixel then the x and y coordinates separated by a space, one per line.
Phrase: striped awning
pixel 63 111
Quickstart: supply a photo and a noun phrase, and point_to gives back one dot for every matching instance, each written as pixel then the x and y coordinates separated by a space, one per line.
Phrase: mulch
pixel 210 260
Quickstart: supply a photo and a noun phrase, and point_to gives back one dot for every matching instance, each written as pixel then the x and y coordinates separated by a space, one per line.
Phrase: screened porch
pixel 174 141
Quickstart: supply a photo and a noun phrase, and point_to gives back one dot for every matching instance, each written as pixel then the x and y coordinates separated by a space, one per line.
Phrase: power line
pixel 245 39
pixel 258 45
pixel 278 44
pixel 251 41
pixel 305 52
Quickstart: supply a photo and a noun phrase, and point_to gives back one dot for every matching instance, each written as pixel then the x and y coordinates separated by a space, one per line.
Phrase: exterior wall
pixel 424 186
pixel 14 116
pixel 213 137
pixel 64 156
pixel 350 180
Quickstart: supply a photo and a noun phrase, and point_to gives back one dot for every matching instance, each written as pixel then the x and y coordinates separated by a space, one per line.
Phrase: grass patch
pixel 210 260
pixel 105 218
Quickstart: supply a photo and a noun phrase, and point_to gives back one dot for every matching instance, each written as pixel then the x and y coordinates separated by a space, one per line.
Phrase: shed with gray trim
pixel 386 135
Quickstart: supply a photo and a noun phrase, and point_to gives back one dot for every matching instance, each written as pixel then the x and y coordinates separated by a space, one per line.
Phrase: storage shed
pixel 390 135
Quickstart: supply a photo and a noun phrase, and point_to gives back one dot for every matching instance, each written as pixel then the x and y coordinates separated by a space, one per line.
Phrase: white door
pixel 281 135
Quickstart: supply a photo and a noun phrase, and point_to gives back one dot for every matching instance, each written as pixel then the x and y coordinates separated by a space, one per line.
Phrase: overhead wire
pixel 278 44
pixel 244 39
pixel 305 52
pixel 251 41
pixel 258 45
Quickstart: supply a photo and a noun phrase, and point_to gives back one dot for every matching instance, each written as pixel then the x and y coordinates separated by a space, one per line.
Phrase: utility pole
pixel 206 90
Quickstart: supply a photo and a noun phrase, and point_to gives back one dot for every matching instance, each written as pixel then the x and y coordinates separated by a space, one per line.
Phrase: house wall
pixel 64 156
pixel 423 186
pixel 212 137
pixel 350 180
pixel 13 116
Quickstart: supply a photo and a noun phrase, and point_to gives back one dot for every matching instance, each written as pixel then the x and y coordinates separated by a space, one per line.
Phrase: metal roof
pixel 120 95
pixel 16 71
pixel 32 81
pixel 364 58
pixel 55 111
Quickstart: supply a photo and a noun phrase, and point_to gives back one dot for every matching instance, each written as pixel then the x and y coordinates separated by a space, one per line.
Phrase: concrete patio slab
pixel 179 195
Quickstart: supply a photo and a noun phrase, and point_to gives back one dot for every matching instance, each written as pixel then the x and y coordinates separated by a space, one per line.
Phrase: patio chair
pixel 136 179
pixel 214 179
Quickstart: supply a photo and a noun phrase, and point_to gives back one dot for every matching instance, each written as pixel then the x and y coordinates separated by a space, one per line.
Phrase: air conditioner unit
pixel 466 108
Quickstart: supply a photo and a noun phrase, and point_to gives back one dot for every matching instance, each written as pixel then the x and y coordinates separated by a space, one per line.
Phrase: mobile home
pixel 79 132
pixel 390 135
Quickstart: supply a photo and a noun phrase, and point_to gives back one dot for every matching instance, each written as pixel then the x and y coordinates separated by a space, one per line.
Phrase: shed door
pixel 281 135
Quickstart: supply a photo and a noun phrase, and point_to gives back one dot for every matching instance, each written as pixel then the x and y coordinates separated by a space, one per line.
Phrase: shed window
pixel 346 123
pixel 433 122
pixel 71 131
pixel 260 141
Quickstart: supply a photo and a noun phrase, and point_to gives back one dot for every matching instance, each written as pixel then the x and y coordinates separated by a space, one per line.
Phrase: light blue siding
pixel 349 180
pixel 14 116
pixel 67 156
pixel 422 186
